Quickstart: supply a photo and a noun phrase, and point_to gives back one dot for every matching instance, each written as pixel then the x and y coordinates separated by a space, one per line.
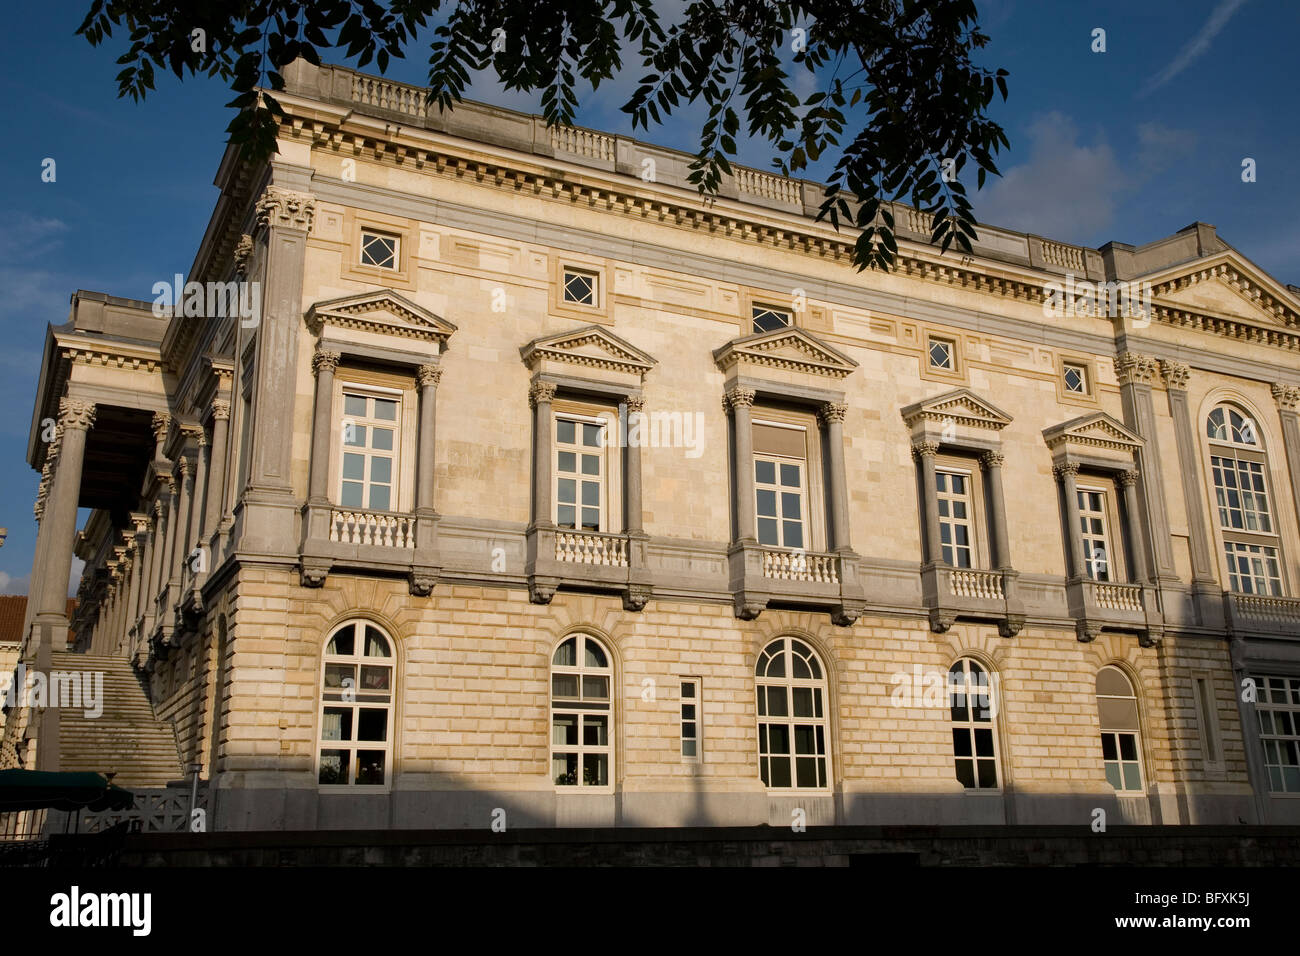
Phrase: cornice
pixel 720 217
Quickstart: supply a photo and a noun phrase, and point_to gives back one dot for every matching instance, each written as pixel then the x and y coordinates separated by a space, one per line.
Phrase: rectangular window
pixel 378 250
pixel 1278 707
pixel 780 485
pixel 955 538
pixel 580 287
pixel 1095 534
pixel 1253 568
pixel 767 319
pixel 370 430
pixel 690 712
pixel 1076 379
pixel 943 354
pixel 579 474
pixel 1242 498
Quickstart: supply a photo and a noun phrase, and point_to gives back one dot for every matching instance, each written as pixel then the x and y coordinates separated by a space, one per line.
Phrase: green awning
pixel 43 790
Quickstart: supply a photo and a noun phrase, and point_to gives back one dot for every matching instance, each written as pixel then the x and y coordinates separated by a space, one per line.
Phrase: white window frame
pixel 1240 452
pixel 758 309
pixel 1085 386
pixel 1090 539
pixel 805 521
pixel 1115 735
pixel 692 723
pixel 370 392
pixel 951 521
pixel 578 450
pixel 592 276
pixel 1279 732
pixel 367 232
pixel 933 340
pixel 579 708
pixel 975 701
pixel 360 699
pixel 819 687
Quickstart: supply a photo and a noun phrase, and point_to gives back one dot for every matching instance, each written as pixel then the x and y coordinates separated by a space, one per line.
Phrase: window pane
pixel 567 490
pixel 766 501
pixel 354 405
pixel 376 644
pixel 354 466
pixel 379 498
pixel 567 462
pixel 375 678
pixel 1108 750
pixel 381 470
pixel 791 505
pixel 988 773
pixel 593 655
pixel 1112 775
pixel 564 729
pixel 591 435
pixel 595 770
pixel 341 643
pixel 777 702
pixel 336 673
pixel 564 685
pixel 803 701
pixel 1128 747
pixel 595 688
pixel 350 496
pixel 767 533
pixel 566 516
pixel 566 655
pixel 790 476
pixel 381 439
pixel 966 773
pixel 336 724
pixel 983 742
pixel 780 772
pixel 564 767
pixel 590 519
pixel 590 465
pixel 333 766
pixel 765 472
pixel 386 409
pixel 594 731
pixel 565 430
pixel 354 435
pixel 1132 778
pixel 372 724
pixel 591 493
pixel 793 533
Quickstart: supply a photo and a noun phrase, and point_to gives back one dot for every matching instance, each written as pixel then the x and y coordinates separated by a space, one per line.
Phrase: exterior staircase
pixel 126 740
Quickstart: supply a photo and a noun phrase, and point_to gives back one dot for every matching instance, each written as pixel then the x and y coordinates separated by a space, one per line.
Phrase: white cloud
pixel 12 585
pixel 1065 189
pixel 74 576
pixel 1199 44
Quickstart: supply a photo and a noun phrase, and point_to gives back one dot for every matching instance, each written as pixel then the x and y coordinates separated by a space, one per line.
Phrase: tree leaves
pixel 917 103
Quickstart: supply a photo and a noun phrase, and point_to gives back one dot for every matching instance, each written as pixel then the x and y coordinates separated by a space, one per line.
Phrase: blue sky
pixel 1131 144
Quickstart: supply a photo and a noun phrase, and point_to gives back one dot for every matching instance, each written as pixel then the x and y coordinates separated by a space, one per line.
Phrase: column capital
pixel 76 414
pixel 196 432
pixel 541 393
pixel 738 396
pixel 183 468
pixel 428 375
pixel 1287 397
pixel 220 409
pixel 1132 368
pixel 832 412
pixel 1067 470
pixel 992 459
pixel 1175 375
pixel 161 422
pixel 324 360
pixel 1127 478
pixel 635 403
pixel 285 208
pixel 925 449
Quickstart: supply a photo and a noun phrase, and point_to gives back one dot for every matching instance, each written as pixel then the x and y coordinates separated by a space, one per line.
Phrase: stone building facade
pixel 536 489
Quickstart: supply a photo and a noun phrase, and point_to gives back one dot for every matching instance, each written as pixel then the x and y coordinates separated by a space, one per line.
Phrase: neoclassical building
pixel 531 482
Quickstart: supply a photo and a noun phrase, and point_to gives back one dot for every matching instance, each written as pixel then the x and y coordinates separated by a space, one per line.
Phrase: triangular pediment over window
pixel 383 312
pixel 786 349
pixel 1095 431
pixel 1225 285
pixel 961 407
pixel 593 348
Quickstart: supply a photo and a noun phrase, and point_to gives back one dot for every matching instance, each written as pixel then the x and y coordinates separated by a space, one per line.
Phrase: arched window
pixel 356 720
pixel 1120 733
pixel 582 713
pixel 792 723
pixel 1239 473
pixel 974 726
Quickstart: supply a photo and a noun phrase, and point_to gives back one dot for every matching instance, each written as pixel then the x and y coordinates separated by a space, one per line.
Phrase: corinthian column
pixel 76 419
